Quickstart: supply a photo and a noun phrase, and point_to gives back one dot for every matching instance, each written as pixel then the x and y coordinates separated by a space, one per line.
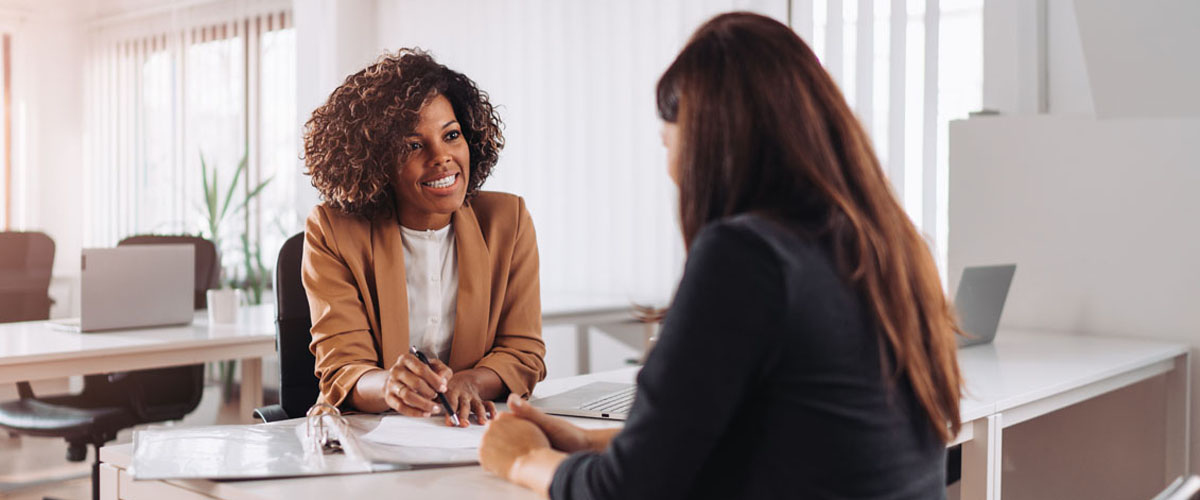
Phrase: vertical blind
pixel 167 87
pixel 907 67
pixel 575 84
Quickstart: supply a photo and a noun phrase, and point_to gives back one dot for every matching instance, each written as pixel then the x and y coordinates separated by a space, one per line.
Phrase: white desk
pixel 1022 376
pixel 585 311
pixel 447 482
pixel 1027 374
pixel 34 350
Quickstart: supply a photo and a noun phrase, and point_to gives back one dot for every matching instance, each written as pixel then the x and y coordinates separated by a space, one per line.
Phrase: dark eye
pixel 453 134
pixel 413 146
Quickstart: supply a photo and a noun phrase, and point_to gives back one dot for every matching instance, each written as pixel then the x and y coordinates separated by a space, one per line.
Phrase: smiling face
pixel 432 180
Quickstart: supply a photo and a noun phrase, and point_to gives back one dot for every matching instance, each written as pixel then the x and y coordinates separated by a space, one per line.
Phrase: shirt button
pixel 434 278
pixel 434 320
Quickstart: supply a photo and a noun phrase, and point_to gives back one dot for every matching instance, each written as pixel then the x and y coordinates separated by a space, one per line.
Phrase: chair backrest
pixel 26 262
pixel 298 386
pixel 208 263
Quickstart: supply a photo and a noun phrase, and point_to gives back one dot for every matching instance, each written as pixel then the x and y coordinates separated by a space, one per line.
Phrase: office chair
pixel 111 402
pixel 298 385
pixel 26 262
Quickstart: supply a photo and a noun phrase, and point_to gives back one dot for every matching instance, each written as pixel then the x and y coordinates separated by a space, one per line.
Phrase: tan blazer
pixel 353 273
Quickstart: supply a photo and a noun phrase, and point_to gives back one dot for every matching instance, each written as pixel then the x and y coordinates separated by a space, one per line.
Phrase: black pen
pixel 441 397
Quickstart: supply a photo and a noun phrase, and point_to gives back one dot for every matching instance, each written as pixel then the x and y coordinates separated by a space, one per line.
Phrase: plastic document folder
pixel 365 443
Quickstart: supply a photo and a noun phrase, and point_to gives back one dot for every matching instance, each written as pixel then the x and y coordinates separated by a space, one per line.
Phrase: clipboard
pixel 323 443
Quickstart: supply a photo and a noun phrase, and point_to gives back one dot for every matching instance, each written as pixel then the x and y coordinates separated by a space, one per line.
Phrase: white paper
pixel 424 433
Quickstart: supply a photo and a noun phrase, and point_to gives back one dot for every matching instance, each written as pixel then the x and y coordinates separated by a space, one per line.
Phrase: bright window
pixel 159 101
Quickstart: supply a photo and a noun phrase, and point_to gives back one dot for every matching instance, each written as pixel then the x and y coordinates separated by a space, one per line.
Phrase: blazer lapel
pixel 474 291
pixel 387 251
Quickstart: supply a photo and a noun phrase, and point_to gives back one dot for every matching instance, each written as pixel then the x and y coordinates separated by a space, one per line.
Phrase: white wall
pixel 1014 70
pixel 1142 56
pixel 1100 58
pixel 1069 92
pixel 333 40
pixel 1099 215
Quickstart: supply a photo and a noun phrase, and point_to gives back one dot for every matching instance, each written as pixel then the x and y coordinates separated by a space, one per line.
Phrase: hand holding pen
pixel 420 386
pixel 441 392
pixel 415 384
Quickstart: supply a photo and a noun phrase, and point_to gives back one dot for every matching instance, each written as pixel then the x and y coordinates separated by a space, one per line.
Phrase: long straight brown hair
pixel 763 128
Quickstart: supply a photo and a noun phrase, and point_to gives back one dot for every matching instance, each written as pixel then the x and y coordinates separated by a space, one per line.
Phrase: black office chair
pixel 26 261
pixel 111 402
pixel 298 385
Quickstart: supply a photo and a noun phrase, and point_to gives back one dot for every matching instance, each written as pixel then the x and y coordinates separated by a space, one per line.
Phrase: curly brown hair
pixel 353 142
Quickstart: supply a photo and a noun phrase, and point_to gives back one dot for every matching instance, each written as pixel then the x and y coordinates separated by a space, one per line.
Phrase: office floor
pixel 33 468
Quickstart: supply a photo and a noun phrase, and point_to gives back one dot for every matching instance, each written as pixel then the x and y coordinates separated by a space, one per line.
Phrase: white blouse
pixel 431 274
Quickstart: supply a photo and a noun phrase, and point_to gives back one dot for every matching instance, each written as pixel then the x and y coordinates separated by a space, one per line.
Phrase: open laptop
pixel 607 400
pixel 982 292
pixel 135 286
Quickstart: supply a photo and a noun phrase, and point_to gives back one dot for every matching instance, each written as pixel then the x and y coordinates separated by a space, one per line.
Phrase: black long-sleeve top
pixel 766 382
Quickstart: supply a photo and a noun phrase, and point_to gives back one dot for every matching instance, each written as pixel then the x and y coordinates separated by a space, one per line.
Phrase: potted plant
pixel 223 303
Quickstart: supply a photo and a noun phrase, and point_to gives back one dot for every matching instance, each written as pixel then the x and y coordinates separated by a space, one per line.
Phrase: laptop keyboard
pixel 615 402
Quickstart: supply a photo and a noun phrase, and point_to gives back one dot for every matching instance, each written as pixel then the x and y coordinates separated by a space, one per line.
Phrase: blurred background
pixel 1060 134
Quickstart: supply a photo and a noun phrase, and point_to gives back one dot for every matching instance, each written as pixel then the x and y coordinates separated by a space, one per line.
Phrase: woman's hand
pixel 563 435
pixel 468 392
pixel 411 387
pixel 507 439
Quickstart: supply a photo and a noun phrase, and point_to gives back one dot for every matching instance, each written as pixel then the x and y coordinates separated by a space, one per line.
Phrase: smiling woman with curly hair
pixel 405 251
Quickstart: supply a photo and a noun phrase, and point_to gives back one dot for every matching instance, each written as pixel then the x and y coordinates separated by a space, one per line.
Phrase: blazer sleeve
pixel 341 333
pixel 517 352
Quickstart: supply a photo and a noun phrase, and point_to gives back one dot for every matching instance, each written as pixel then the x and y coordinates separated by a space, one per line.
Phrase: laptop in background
pixel 135 286
pixel 979 301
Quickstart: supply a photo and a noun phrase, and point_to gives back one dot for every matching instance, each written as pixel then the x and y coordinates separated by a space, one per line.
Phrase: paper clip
pixel 318 432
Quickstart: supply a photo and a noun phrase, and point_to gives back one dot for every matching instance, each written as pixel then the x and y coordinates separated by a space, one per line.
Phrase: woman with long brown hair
pixel 810 350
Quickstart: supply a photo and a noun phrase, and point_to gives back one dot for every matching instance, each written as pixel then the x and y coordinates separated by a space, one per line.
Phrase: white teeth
pixel 446 181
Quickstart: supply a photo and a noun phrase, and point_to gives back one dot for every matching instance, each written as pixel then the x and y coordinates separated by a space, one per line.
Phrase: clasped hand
pixel 525 446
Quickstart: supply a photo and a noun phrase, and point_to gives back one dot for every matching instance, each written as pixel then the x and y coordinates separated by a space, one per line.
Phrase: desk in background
pixel 586 311
pixel 1026 374
pixel 1022 376
pixel 34 350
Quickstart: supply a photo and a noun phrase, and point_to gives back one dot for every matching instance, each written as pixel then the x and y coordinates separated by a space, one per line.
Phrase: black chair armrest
pixel 272 413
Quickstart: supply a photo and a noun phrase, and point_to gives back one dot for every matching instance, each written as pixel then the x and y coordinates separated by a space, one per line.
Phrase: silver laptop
pixel 982 292
pixel 607 400
pixel 135 286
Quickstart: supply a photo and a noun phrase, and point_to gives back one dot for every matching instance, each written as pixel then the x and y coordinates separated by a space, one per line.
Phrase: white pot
pixel 223 305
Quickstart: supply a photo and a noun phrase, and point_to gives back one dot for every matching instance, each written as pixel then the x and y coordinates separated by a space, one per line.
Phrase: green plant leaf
pixel 250 196
pixel 237 174
pixel 258 189
pixel 209 207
